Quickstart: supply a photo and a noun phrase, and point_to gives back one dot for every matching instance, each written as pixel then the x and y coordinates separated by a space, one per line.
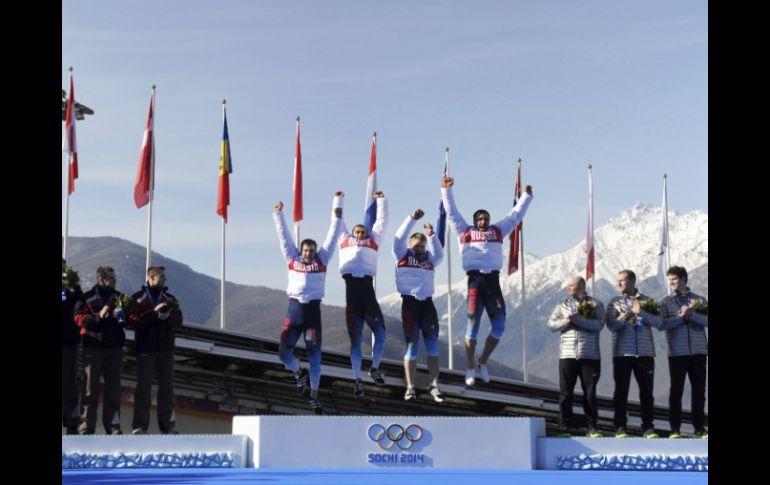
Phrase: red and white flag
pixel 513 254
pixel 144 184
pixel 70 139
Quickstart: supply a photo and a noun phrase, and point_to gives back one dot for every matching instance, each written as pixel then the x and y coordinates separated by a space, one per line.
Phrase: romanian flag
pixel 225 169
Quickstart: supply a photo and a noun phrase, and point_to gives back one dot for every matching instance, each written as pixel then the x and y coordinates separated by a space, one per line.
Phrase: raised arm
pixel 378 229
pixel 286 240
pixel 509 222
pixel 401 238
pixel 335 229
pixel 455 219
pixel 435 248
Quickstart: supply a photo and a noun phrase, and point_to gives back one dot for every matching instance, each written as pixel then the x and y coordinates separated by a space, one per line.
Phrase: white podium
pixel 391 441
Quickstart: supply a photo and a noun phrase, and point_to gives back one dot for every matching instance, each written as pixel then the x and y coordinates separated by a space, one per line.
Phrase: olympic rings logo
pixel 395 435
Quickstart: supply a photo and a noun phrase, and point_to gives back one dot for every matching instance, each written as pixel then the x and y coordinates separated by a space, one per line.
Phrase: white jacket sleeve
pixel 286 240
pixel 378 229
pixel 509 222
pixel 400 244
pixel 455 219
pixel 335 229
pixel 435 249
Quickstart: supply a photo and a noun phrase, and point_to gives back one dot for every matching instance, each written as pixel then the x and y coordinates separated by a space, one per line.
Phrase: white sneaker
pixel 437 396
pixel 484 372
pixel 470 377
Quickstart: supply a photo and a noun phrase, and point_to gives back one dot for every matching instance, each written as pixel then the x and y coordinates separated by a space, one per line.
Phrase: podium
pixel 391 441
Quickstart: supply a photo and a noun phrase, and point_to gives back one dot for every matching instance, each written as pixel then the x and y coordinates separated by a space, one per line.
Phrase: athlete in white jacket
pixel 481 248
pixel 358 266
pixel 414 279
pixel 307 276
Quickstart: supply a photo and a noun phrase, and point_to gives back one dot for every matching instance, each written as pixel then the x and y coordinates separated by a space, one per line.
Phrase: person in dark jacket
pixel 70 344
pixel 633 352
pixel 154 319
pixel 685 320
pixel 103 337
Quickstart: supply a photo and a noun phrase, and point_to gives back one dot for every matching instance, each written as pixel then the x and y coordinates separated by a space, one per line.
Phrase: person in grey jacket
pixel 633 350
pixel 685 325
pixel 579 319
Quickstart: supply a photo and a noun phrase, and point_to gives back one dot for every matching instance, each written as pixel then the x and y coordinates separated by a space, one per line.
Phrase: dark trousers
pixel 361 305
pixel 70 408
pixel 419 317
pixel 302 319
pixel 643 369
pixel 484 293
pixel 589 371
pixel 98 362
pixel 694 367
pixel 162 365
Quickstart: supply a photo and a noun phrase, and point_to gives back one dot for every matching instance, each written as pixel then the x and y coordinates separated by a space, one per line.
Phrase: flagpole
pixel 448 253
pixel 374 279
pixel 593 243
pixel 148 261
pixel 668 241
pixel 67 208
pixel 524 322
pixel 222 282
pixel 296 224
pixel 222 279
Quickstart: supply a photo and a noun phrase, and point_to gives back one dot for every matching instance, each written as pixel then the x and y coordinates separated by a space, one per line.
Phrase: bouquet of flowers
pixel 650 306
pixel 700 306
pixel 70 277
pixel 173 305
pixel 586 309
pixel 125 306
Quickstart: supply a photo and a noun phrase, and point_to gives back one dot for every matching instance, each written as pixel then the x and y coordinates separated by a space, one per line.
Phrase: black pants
pixel 161 364
pixel 361 303
pixel 569 370
pixel 107 362
pixel 694 367
pixel 643 369
pixel 70 407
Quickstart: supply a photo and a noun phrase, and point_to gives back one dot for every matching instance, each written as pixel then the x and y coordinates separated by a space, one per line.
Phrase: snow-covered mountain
pixel 627 241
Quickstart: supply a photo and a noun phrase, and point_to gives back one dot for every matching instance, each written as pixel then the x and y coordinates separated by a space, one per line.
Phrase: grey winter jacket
pixel 578 340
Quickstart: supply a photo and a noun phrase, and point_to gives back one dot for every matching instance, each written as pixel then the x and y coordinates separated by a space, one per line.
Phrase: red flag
pixel 590 230
pixel 70 140
pixel 513 254
pixel 144 184
pixel 297 180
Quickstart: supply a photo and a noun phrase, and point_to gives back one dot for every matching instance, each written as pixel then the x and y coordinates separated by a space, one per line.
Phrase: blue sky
pixel 622 85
